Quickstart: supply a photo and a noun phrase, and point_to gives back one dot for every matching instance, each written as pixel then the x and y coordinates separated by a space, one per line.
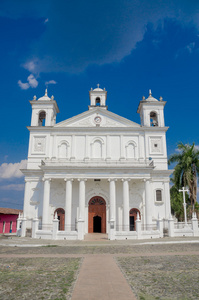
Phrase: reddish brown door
pixel 97 215
pixel 61 217
pixel 133 218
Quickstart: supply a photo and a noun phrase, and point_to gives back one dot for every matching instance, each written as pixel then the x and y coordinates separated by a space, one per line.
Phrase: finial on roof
pixel 161 99
pixel 52 97
pixel 46 92
pixel 143 98
pixel 34 98
pixel 150 94
pixel 98 85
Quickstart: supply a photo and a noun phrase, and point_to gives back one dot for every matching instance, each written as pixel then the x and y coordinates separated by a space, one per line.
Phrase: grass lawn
pixel 37 278
pixel 162 277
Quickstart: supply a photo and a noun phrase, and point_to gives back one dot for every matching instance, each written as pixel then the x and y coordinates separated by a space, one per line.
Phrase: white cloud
pixel 10 170
pixel 30 65
pixel 13 187
pixel 23 86
pixel 32 81
pixel 50 82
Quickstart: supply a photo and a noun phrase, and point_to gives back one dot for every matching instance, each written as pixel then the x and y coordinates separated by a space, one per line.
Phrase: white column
pixel 148 202
pixel 125 204
pixel 46 201
pixel 112 200
pixel 26 198
pixel 141 147
pixel 68 204
pixel 112 220
pixel 82 189
pixel 81 218
pixel 73 147
pixel 86 148
pixel 108 148
pixel 122 148
pixel 167 200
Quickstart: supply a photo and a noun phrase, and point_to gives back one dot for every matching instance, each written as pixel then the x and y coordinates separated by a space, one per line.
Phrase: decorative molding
pixel 39 144
pixel 97 191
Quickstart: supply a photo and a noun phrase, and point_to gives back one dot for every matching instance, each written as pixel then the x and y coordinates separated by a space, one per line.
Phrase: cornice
pixel 99 129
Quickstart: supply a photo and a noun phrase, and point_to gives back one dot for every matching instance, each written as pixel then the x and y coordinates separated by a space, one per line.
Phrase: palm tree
pixel 187 169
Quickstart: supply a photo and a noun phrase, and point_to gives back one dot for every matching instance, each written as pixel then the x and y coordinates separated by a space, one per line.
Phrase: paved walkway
pixel 101 278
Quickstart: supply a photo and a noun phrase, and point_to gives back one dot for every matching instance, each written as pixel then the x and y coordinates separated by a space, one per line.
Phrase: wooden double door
pixel 97 215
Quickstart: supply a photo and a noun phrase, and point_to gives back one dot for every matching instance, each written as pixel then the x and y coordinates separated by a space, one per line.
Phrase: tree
pixel 187 169
pixel 177 203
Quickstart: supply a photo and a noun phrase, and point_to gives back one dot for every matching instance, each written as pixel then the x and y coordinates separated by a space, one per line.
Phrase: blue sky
pixel 126 46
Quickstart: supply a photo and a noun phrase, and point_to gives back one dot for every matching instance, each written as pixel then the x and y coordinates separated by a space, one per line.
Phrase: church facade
pixel 97 171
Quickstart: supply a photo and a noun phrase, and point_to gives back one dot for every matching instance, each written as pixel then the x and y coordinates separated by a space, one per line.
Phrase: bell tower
pixel 44 111
pixel 98 98
pixel 151 111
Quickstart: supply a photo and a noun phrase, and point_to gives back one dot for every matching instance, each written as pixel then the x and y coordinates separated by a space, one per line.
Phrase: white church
pixel 96 172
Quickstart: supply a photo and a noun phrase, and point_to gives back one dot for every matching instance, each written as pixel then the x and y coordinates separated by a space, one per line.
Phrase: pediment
pixel 97 117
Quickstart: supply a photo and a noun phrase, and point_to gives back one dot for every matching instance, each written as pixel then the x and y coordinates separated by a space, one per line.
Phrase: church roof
pixel 10 211
pixel 107 119
pixel 150 98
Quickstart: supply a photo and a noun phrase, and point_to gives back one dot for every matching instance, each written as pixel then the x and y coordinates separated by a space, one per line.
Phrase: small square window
pixel 155 145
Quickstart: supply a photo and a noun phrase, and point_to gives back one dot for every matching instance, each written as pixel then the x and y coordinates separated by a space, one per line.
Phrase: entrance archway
pixel 61 217
pixel 132 218
pixel 97 215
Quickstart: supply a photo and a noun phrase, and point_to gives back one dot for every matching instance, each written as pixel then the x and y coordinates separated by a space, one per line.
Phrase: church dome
pixel 98 90
pixel 45 97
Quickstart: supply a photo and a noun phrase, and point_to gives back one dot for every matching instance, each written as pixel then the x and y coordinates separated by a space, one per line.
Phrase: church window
pixel 42 117
pixel 153 119
pixel 158 195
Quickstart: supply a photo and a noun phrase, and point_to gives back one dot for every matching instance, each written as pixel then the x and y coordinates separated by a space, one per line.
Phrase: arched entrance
pixel 132 218
pixel 97 215
pixel 61 217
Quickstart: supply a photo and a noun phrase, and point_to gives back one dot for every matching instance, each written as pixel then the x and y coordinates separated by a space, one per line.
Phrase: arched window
pixel 158 195
pixel 97 101
pixel 63 150
pixel 42 117
pixel 130 150
pixel 97 149
pixel 153 119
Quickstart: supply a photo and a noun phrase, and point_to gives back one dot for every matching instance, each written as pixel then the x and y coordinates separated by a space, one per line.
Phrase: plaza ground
pixel 99 269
